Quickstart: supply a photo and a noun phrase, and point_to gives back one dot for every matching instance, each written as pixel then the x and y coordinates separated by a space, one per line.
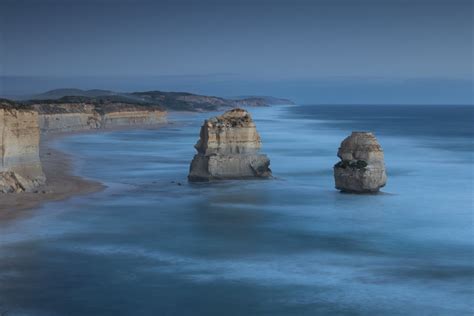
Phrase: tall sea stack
pixel 228 149
pixel 362 167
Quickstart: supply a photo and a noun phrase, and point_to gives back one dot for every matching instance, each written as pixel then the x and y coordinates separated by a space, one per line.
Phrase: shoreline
pixel 61 180
pixel 61 183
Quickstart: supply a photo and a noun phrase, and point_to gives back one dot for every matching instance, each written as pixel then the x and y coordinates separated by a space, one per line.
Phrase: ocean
pixel 154 244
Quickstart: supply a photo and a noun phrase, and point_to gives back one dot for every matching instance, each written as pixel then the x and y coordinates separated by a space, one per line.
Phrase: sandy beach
pixel 61 182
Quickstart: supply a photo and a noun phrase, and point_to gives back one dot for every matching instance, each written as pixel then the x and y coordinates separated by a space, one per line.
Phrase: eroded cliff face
pixel 20 166
pixel 362 166
pixel 132 118
pixel 67 117
pixel 228 149
pixel 21 124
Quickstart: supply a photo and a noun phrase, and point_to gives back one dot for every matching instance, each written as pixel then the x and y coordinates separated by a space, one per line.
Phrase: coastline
pixel 61 181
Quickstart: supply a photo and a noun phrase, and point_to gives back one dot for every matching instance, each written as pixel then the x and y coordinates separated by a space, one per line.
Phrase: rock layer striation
pixel 362 166
pixel 20 166
pixel 228 148
pixel 67 117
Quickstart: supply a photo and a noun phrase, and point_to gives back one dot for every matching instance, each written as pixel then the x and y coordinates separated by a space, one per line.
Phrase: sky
pixel 323 51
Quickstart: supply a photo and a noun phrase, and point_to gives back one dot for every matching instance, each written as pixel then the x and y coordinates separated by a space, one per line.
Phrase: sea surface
pixel 154 244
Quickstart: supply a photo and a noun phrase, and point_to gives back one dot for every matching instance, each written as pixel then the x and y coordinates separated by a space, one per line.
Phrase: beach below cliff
pixel 61 183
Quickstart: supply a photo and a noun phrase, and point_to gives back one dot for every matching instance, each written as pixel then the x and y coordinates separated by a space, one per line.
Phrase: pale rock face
pixel 228 149
pixel 20 166
pixel 362 167
pixel 67 122
pixel 132 118
pixel 78 117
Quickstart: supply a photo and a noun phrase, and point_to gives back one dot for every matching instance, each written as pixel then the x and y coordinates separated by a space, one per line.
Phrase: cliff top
pixel 233 118
pixel 105 104
pixel 176 101
pixel 70 100
pixel 9 104
pixel 360 146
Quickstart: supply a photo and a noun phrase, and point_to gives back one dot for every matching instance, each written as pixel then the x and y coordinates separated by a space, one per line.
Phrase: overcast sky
pixel 259 40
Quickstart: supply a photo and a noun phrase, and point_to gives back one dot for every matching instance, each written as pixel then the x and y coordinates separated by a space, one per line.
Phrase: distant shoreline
pixel 61 181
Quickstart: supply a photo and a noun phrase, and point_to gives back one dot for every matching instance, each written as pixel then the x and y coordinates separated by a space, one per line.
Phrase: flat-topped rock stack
pixel 362 167
pixel 228 149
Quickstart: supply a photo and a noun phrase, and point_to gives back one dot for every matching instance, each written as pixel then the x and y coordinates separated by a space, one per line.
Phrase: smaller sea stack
pixel 362 167
pixel 228 149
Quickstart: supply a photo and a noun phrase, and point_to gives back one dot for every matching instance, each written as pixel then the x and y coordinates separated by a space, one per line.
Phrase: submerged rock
pixel 362 167
pixel 228 149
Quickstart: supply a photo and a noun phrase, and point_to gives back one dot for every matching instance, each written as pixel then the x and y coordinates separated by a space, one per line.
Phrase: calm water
pixel 288 246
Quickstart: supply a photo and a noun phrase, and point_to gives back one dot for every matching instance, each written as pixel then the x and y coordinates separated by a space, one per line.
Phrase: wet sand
pixel 61 182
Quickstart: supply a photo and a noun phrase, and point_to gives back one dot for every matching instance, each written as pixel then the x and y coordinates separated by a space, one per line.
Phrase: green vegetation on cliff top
pixel 159 100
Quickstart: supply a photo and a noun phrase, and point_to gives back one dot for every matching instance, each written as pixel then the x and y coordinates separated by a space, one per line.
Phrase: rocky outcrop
pixel 228 149
pixel 66 117
pixel 362 167
pixel 20 166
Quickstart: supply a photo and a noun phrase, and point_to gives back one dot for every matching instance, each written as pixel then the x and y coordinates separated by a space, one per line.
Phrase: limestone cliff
pixel 21 123
pixel 133 118
pixel 63 117
pixel 20 166
pixel 228 149
pixel 362 167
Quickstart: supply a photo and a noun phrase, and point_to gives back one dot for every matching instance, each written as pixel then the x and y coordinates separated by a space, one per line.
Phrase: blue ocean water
pixel 153 244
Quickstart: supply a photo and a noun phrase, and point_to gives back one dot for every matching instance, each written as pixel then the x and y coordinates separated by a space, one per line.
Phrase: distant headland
pixel 173 101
